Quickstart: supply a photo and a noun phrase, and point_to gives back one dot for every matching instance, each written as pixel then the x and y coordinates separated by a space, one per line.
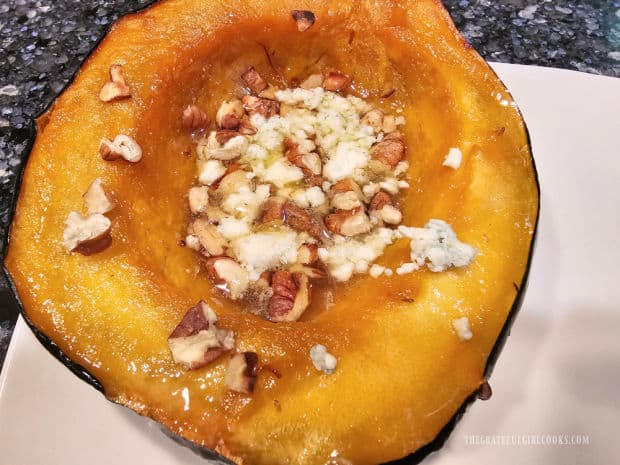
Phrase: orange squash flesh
pixel 402 371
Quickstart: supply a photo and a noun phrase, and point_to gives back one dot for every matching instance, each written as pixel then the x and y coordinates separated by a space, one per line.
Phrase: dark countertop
pixel 43 42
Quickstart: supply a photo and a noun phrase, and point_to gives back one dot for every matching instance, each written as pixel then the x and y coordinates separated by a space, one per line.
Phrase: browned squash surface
pixel 402 371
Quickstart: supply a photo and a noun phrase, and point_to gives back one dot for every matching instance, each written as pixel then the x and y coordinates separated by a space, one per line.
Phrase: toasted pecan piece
pixel 254 80
pixel 272 209
pixel 242 372
pixel 382 207
pixel 193 118
pixel 88 235
pixel 304 19
pixel 228 276
pixel 229 114
pixel 304 220
pixel 335 81
pixel 348 222
pixel 389 152
pixel 196 341
pixel 116 88
pixel 262 106
pixel 291 296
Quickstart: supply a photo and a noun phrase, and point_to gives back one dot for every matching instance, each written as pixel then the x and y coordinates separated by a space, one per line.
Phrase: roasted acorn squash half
pixel 403 373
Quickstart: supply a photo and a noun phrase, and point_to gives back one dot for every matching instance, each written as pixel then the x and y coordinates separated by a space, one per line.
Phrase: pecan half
pixel 193 118
pixel 228 276
pixel 304 19
pixel 254 80
pixel 121 147
pixel 335 81
pixel 291 296
pixel 116 88
pixel 348 222
pixel 229 114
pixel 88 235
pixel 262 106
pixel 304 220
pixel 96 199
pixel 242 372
pixel 389 152
pixel 196 341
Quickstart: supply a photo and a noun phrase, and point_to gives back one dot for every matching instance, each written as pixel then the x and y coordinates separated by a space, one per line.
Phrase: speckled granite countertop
pixel 42 44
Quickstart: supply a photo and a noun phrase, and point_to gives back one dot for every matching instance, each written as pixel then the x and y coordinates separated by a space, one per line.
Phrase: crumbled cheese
pixel 262 251
pixel 462 328
pixel 376 270
pixel 390 185
pixel 232 228
pixel 210 171
pixel 453 159
pixel 436 245
pixel 406 268
pixel 192 242
pixel 245 202
pixel 388 272
pixel 403 184
pixel 371 189
pixel 281 172
pixel 315 196
pixel 322 359
pixel 345 257
pixel 347 158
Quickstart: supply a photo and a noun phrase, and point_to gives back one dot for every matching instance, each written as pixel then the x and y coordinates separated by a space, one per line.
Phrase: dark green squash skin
pixel 412 459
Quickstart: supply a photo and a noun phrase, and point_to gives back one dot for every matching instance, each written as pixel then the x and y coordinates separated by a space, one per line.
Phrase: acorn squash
pixel 402 373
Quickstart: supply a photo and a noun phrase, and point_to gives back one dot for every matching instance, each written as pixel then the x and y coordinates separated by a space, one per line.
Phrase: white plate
pixel 556 380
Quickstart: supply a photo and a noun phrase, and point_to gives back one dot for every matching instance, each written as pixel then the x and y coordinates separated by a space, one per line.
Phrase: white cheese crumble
pixel 210 171
pixel 437 246
pixel 462 328
pixel 376 270
pixel 322 359
pixel 406 268
pixel 453 158
pixel 262 251
pixel 354 255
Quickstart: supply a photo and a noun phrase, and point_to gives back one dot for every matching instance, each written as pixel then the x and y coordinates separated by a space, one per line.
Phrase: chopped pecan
pixel 348 222
pixel 389 152
pixel 394 135
pixel 382 207
pixel 121 147
pixel 229 114
pixel 291 296
pixel 310 163
pixel 193 118
pixel 312 82
pixel 224 135
pixel 307 254
pixel 304 220
pixel 374 119
pixel 96 199
pixel 254 80
pixel 88 235
pixel 116 88
pixel 262 106
pixel 346 201
pixel 196 341
pixel 242 372
pixel 246 127
pixel 304 19
pixel 309 271
pixel 210 239
pixel 273 209
pixel 233 182
pixel 335 81
pixel 228 276
pixel 390 123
